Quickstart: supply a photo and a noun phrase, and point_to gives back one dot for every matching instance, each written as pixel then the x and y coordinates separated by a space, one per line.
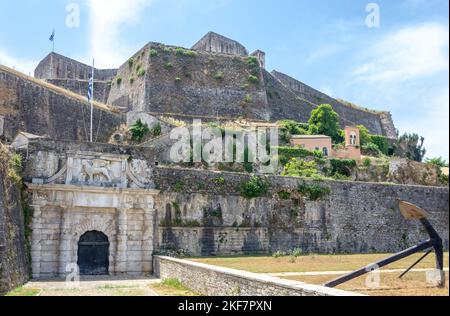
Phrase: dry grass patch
pixel 412 284
pixel 316 263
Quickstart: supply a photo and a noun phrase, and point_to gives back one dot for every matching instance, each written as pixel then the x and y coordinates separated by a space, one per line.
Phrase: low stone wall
pixel 217 281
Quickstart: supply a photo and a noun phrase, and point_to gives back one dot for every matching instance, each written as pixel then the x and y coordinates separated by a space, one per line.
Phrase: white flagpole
pixel 92 99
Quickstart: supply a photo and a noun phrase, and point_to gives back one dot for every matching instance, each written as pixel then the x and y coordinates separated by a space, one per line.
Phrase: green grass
pixel 21 291
pixel 172 287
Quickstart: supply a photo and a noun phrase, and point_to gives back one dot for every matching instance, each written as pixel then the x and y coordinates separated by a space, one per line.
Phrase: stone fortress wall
pixel 356 217
pixel 215 83
pixel 203 213
pixel 13 257
pixel 39 108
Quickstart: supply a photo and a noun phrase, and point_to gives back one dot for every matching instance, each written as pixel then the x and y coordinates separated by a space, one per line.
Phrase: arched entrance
pixel 93 254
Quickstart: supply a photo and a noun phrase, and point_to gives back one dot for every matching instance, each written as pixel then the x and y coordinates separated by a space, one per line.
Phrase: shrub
pixel 248 98
pixel 119 80
pixel 254 188
pixel 371 149
pixel 139 130
pixel 219 180
pixel 156 130
pixel 141 72
pixel 185 52
pixel 286 154
pixel 177 79
pixel 300 168
pixel 131 79
pixel 168 66
pixel 219 75
pixel 342 166
pixel 284 195
pixel 253 79
pixel 367 162
pixel 314 191
pixel 296 252
pixel 279 254
pixel 382 143
pixel 130 62
pixel 438 161
pixel 252 62
pixel 153 52
pixel 364 135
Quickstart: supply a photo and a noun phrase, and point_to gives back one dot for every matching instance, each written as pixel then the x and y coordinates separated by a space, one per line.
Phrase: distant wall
pixel 56 66
pixel 29 106
pixel 217 281
pixel 355 217
pixel 378 123
pixel 13 262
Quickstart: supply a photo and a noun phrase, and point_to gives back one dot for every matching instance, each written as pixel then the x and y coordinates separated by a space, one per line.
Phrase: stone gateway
pixel 96 213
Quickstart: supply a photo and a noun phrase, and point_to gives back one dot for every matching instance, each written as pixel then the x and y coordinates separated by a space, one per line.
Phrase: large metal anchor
pixel 409 212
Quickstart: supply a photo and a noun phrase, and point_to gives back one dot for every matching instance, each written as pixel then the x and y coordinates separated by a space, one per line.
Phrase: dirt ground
pixel 95 286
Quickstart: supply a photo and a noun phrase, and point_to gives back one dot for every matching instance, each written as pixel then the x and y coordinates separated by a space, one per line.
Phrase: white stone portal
pixel 100 193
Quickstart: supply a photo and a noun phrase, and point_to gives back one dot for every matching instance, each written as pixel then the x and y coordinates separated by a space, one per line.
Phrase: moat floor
pixel 91 286
pixel 318 269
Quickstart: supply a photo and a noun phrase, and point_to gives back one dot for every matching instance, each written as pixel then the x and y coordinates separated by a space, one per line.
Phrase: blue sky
pixel 402 66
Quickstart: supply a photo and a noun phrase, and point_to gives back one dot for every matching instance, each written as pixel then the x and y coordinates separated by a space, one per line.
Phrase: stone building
pixel 323 143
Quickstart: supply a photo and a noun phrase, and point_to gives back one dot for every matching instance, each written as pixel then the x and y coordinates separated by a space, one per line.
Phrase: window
pixel 353 139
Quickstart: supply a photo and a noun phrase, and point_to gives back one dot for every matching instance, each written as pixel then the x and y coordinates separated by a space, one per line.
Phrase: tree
pixel 438 161
pixel 324 120
pixel 410 146
pixel 364 135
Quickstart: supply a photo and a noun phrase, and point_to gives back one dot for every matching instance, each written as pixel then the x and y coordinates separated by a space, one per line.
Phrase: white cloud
pixel 432 122
pixel 410 53
pixel 23 65
pixel 108 18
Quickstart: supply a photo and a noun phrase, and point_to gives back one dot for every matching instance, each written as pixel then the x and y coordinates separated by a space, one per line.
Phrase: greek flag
pixel 52 37
pixel 90 88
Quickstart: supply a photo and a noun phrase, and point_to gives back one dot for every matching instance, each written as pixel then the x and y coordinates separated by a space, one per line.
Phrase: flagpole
pixel 92 100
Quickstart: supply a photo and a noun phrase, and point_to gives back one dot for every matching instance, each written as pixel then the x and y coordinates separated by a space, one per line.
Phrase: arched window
pixel 353 139
pixel 325 151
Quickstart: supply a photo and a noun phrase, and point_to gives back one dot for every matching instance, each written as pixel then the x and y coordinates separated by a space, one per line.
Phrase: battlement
pixel 56 66
pixel 213 79
pixel 216 43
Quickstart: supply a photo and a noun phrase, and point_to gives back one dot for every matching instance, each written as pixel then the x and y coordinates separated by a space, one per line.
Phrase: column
pixel 122 241
pixel 36 241
pixel 147 238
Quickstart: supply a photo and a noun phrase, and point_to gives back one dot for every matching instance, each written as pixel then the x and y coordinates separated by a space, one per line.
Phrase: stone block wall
pixel 56 66
pixel 101 88
pixel 31 106
pixel 211 241
pixel 216 43
pixel 379 123
pixel 200 85
pixel 355 217
pixel 13 258
pixel 217 281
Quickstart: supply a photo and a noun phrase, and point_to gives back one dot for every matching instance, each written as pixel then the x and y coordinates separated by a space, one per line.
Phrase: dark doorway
pixel 93 254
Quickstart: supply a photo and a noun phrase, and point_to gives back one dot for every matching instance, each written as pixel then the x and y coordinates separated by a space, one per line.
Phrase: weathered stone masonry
pixel 143 207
